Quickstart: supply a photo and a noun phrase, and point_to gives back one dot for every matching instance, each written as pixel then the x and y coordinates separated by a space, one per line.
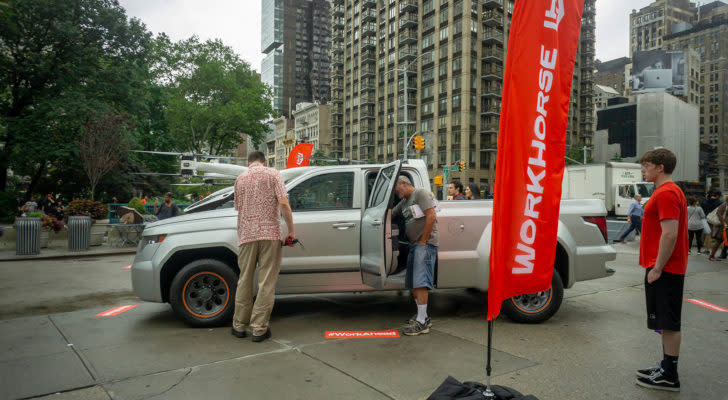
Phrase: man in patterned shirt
pixel 260 199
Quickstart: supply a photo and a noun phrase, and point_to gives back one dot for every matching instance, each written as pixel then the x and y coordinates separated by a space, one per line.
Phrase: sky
pixel 237 23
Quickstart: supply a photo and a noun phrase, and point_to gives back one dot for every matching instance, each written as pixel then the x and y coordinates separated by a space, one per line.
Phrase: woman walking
pixel 472 192
pixel 696 216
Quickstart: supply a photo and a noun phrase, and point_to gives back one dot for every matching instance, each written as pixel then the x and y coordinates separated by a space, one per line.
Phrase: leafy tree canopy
pixel 215 98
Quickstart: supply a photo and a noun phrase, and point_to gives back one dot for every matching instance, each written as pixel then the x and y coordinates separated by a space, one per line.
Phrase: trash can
pixel 79 233
pixel 27 239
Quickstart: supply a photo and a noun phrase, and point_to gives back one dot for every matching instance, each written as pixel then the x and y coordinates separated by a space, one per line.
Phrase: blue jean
pixel 421 266
pixel 634 224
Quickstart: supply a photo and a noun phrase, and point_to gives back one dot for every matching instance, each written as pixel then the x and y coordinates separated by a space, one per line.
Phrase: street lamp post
pixel 407 138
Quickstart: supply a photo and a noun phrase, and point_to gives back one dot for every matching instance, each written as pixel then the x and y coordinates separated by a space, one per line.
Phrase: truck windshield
pixel 223 198
pixel 645 189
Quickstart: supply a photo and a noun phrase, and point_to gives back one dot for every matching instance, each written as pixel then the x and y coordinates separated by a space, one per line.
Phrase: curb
pixel 68 255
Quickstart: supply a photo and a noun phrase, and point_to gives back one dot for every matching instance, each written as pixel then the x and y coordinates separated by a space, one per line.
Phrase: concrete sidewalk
pixel 588 350
pixel 58 249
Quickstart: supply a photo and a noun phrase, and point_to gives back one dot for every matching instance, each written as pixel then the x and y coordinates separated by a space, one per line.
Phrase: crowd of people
pixel 52 205
pixel 49 205
pixel 456 191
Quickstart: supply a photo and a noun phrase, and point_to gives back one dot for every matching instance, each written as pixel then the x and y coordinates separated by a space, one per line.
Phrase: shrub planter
pixel 27 236
pixel 45 238
pixel 79 233
pixel 98 231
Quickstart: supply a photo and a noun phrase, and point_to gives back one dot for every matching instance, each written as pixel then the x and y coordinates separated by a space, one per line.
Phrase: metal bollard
pixel 27 239
pixel 79 233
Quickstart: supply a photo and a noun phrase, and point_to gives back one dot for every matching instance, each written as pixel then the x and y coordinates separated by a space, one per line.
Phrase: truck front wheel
pixel 203 293
pixel 534 308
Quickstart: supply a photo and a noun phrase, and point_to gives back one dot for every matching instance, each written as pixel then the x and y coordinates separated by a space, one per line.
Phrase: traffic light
pixel 418 142
pixel 461 166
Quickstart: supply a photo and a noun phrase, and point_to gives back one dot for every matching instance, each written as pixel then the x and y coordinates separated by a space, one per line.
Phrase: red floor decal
pixel 361 334
pixel 707 305
pixel 116 311
pixel 126 267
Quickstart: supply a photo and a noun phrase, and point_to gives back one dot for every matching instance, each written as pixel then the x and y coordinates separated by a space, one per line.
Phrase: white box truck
pixel 615 183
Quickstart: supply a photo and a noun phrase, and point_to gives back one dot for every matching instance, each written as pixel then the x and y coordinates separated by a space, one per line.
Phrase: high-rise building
pixel 650 24
pixel 708 36
pixel 296 41
pixel 436 68
pixel 581 110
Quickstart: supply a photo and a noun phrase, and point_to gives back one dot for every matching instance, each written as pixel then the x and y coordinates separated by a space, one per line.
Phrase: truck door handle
pixel 343 225
pixel 376 222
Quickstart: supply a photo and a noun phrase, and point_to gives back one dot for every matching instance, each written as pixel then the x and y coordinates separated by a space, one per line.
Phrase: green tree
pixel 59 62
pixel 575 154
pixel 215 98
pixel 318 155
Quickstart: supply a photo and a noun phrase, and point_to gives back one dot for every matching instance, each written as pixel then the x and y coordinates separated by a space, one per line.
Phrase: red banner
pixel 300 155
pixel 544 35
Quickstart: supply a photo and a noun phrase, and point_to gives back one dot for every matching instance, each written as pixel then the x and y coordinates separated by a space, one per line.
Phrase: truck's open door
pixel 376 225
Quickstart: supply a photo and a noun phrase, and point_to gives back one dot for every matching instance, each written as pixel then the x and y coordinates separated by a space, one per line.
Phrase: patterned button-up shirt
pixel 256 199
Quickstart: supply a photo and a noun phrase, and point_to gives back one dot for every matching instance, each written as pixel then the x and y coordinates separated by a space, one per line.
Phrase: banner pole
pixel 488 392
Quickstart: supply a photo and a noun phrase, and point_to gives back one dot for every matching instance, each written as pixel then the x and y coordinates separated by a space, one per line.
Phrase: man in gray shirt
pixel 168 208
pixel 418 210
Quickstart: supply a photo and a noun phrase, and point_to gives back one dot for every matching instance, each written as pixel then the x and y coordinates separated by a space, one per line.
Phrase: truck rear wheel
pixel 534 308
pixel 203 293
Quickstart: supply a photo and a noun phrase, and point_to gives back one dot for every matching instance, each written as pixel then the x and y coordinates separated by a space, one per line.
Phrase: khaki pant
pixel 266 254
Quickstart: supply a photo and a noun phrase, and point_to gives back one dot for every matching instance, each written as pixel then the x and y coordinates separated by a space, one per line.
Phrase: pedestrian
pixel 455 191
pixel 168 208
pixel 711 203
pixel 30 205
pixel 664 255
pixel 634 217
pixel 260 199
pixel 696 217
pixel 719 231
pixel 417 207
pixel 47 205
pixel 472 192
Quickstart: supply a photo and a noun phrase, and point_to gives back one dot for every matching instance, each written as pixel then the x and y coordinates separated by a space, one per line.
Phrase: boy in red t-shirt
pixel 664 255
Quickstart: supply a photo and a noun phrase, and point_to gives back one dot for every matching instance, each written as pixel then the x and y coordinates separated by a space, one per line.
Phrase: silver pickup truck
pixel 343 217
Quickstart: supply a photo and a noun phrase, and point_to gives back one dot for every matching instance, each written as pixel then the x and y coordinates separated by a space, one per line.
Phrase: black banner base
pixel 452 389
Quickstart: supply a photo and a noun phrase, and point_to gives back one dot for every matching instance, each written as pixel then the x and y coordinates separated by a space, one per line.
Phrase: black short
pixel 664 301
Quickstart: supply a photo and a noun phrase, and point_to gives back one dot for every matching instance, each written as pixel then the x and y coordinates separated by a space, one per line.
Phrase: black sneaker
pixel 262 337
pixel 661 381
pixel 238 334
pixel 648 372
pixel 412 320
pixel 415 329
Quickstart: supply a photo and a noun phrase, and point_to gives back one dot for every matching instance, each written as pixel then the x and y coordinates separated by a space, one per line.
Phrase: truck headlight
pixel 147 240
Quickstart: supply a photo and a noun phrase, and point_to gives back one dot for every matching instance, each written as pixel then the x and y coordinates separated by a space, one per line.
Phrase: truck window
pixel 624 191
pixel 645 189
pixel 323 192
pixel 372 176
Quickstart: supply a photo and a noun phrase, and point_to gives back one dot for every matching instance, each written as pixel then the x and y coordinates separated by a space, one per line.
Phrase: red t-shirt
pixel 667 202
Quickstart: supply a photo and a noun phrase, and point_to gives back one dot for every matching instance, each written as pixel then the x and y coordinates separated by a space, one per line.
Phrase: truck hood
pixel 186 222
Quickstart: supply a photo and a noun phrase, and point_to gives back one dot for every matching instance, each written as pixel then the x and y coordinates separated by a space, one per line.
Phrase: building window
pixel 443 33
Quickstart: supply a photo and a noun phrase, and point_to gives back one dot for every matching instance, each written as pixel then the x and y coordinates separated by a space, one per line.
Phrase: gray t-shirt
pixel 415 226
pixel 166 211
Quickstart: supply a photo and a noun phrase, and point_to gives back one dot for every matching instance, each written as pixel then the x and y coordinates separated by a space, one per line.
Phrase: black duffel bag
pixel 452 389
